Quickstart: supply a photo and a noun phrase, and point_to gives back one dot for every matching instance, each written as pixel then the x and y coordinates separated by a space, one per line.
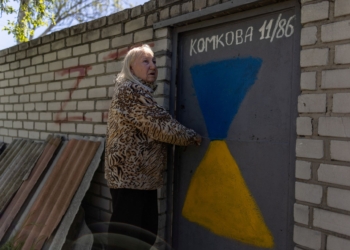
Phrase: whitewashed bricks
pixel 309 148
pixel 341 103
pixel 308 192
pixel 340 150
pixel 338 198
pixel 342 53
pixel 143 35
pixel 342 7
pixel 304 126
pixel 314 57
pixel 122 40
pixel 335 222
pixel 84 128
pixel 335 174
pixel 315 12
pixel 336 243
pixel 312 103
pixel 307 237
pixel 308 81
pixel 334 126
pixel 334 79
pixel 335 31
pixel 135 24
pixel 303 170
pixel 301 214
pixel 100 45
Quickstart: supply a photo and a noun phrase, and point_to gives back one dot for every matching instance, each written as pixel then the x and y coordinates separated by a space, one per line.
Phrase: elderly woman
pixel 137 132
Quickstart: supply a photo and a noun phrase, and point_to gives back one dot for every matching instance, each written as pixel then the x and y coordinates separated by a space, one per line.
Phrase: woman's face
pixel 144 67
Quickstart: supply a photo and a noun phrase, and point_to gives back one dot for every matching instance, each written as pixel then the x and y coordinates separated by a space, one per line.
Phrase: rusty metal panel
pixel 19 221
pixel 57 193
pixel 27 186
pixel 238 87
pixel 60 235
pixel 17 170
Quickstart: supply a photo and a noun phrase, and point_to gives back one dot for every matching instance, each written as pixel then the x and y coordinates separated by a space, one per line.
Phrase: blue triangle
pixel 220 89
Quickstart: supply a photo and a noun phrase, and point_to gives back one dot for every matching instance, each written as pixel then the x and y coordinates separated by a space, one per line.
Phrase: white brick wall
pixel 100 45
pixel 334 174
pixel 335 243
pixel 334 126
pixel 301 214
pixel 341 103
pixel 303 170
pixel 85 128
pixel 304 126
pixel 315 12
pixel 122 40
pixel 342 54
pixel 340 150
pixel 307 237
pixel 341 8
pixel 335 222
pixel 313 57
pixel 335 31
pixel 338 198
pixel 143 35
pixel 312 103
pixel 134 24
pixel 309 148
pixel 308 81
pixel 334 79
pixel 308 192
pixel 323 127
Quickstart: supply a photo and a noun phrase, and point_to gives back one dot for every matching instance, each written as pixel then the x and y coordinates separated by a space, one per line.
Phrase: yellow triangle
pixel 219 200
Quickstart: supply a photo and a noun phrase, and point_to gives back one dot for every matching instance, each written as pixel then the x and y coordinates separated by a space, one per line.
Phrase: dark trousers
pixel 135 214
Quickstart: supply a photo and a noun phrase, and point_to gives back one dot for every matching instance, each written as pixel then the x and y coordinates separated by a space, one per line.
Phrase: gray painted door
pixel 237 87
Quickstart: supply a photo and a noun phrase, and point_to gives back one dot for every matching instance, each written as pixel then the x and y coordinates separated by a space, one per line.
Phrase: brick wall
pixel 62 84
pixel 322 189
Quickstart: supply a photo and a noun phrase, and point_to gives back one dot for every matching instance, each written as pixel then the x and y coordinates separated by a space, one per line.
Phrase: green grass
pixel 12 245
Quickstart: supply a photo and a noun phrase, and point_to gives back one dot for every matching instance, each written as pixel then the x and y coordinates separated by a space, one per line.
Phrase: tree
pixel 68 12
pixel 31 14
pixel 55 14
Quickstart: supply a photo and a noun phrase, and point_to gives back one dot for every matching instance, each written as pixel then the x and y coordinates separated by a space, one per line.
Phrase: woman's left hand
pixel 198 139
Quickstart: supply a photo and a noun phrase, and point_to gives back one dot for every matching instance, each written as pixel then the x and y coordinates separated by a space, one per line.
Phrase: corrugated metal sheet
pixel 57 193
pixel 26 188
pixel 59 238
pixel 19 222
pixel 16 171
pixel 11 151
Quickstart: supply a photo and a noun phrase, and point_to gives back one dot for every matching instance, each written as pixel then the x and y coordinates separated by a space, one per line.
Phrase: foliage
pixel 55 14
pixel 11 245
pixel 30 15
pixel 70 12
pixel 4 7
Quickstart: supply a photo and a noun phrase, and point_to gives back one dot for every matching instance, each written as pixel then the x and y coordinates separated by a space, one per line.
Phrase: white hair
pixel 125 73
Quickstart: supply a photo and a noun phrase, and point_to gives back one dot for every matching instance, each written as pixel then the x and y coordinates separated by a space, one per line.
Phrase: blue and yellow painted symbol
pixel 218 197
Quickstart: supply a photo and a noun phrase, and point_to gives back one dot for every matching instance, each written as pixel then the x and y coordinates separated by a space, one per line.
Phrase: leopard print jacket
pixel 137 132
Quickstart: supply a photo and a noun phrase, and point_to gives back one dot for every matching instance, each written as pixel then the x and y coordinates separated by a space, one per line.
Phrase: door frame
pixel 175 75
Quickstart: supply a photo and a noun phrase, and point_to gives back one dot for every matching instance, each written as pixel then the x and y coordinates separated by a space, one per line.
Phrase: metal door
pixel 237 86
